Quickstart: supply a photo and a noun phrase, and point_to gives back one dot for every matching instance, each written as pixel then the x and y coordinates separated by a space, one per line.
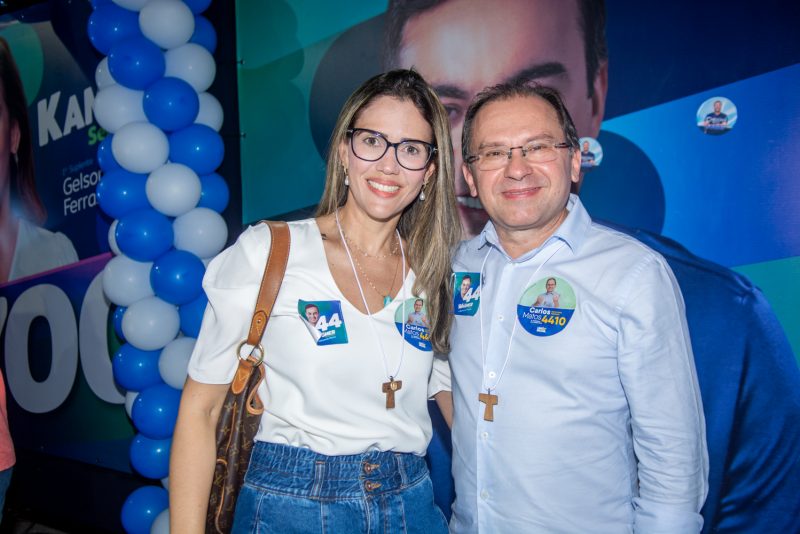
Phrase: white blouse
pixel 323 388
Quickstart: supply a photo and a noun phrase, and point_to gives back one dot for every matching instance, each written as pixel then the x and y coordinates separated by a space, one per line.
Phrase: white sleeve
pixel 231 284
pixel 440 375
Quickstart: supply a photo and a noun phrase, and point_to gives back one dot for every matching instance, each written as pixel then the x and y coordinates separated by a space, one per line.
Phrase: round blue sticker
pixel 413 313
pixel 546 307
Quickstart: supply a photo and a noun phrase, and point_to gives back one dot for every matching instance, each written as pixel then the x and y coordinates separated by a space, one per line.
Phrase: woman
pixel 346 421
pixel 25 248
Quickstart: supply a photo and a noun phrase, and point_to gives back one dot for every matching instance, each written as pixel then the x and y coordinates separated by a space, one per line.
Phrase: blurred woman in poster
pixel 25 247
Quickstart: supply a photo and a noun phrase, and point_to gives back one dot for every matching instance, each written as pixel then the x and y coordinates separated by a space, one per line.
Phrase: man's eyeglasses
pixel 370 145
pixel 495 157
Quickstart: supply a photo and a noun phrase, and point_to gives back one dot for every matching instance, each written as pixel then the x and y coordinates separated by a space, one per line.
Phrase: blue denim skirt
pixel 288 489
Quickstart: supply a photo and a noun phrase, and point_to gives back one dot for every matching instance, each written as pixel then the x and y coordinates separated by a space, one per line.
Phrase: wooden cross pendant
pixel 389 388
pixel 489 400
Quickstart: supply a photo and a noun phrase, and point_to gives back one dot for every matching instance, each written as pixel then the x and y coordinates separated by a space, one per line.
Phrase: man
pixel 312 314
pixel 548 299
pixel 745 365
pixel 587 156
pixel 562 427
pixel 417 317
pixel 717 122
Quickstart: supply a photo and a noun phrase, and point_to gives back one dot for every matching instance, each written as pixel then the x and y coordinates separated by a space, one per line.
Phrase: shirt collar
pixel 572 231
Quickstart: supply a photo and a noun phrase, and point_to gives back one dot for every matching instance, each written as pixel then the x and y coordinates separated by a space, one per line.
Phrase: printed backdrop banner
pixel 55 335
pixel 720 183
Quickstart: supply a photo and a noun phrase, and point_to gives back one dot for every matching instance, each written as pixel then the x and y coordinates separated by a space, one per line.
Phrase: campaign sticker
pixel 414 316
pixel 546 307
pixel 716 116
pixel 591 153
pixel 466 293
pixel 324 320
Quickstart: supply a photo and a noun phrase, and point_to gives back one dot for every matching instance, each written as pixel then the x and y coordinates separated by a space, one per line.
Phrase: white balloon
pixel 133 5
pixel 115 106
pixel 193 64
pixel 201 231
pixel 174 361
pixel 126 281
pixel 173 189
pixel 130 397
pixel 140 147
pixel 112 238
pixel 161 523
pixel 102 76
pixel 151 323
pixel 210 113
pixel 168 23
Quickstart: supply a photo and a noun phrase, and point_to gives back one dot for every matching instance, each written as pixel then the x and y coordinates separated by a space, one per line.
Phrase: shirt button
pixel 484 495
pixel 492 374
pixel 500 318
pixel 484 435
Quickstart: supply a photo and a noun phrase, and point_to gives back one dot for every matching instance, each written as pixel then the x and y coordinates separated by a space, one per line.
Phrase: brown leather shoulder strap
pixel 271 281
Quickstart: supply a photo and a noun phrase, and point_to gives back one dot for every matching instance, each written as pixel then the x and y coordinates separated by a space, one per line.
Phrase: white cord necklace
pixel 391 386
pixel 489 399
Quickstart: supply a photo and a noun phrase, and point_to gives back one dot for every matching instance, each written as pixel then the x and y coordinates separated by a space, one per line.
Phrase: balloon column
pixel 160 186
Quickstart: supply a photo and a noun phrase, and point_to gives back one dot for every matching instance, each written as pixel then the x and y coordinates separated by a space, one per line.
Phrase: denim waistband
pixel 302 472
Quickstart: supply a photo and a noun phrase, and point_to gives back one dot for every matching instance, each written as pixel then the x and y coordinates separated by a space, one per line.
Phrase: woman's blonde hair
pixel 431 226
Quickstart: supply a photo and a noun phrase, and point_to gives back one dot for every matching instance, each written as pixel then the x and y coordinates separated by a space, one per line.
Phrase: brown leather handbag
pixel 242 408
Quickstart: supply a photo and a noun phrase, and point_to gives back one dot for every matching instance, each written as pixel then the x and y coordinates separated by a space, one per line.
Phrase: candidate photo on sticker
pixel 411 320
pixel 324 321
pixel 466 293
pixel 546 307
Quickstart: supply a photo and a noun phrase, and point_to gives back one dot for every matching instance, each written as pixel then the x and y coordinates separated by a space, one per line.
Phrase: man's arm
pixel 760 487
pixel 660 382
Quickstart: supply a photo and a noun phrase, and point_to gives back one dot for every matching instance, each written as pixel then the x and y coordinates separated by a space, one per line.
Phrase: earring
pixel 422 195
pixel 346 177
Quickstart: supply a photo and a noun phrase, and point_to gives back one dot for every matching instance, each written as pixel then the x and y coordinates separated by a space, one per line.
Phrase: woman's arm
pixel 444 399
pixel 191 464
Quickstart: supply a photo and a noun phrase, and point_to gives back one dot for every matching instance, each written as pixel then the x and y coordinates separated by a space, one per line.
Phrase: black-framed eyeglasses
pixel 370 145
pixel 492 158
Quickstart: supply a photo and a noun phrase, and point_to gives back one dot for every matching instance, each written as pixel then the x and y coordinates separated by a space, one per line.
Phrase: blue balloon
pixel 141 508
pixel 144 234
pixel 136 369
pixel 155 411
pixel 150 457
pixel 110 24
pixel 197 6
pixel 214 193
pixel 177 277
pixel 136 62
pixel 105 158
pixel 119 311
pixel 121 192
pixel 198 147
pixel 204 34
pixel 171 104
pixel 191 315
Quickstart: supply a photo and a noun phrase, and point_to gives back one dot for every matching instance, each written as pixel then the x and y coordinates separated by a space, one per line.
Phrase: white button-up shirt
pixel 599 425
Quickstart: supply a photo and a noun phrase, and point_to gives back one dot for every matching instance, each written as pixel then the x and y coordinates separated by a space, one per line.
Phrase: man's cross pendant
pixel 389 388
pixel 489 400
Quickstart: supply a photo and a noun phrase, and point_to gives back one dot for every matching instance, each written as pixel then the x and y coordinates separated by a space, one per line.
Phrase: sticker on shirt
pixel 546 307
pixel 324 320
pixel 466 293
pixel 413 316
